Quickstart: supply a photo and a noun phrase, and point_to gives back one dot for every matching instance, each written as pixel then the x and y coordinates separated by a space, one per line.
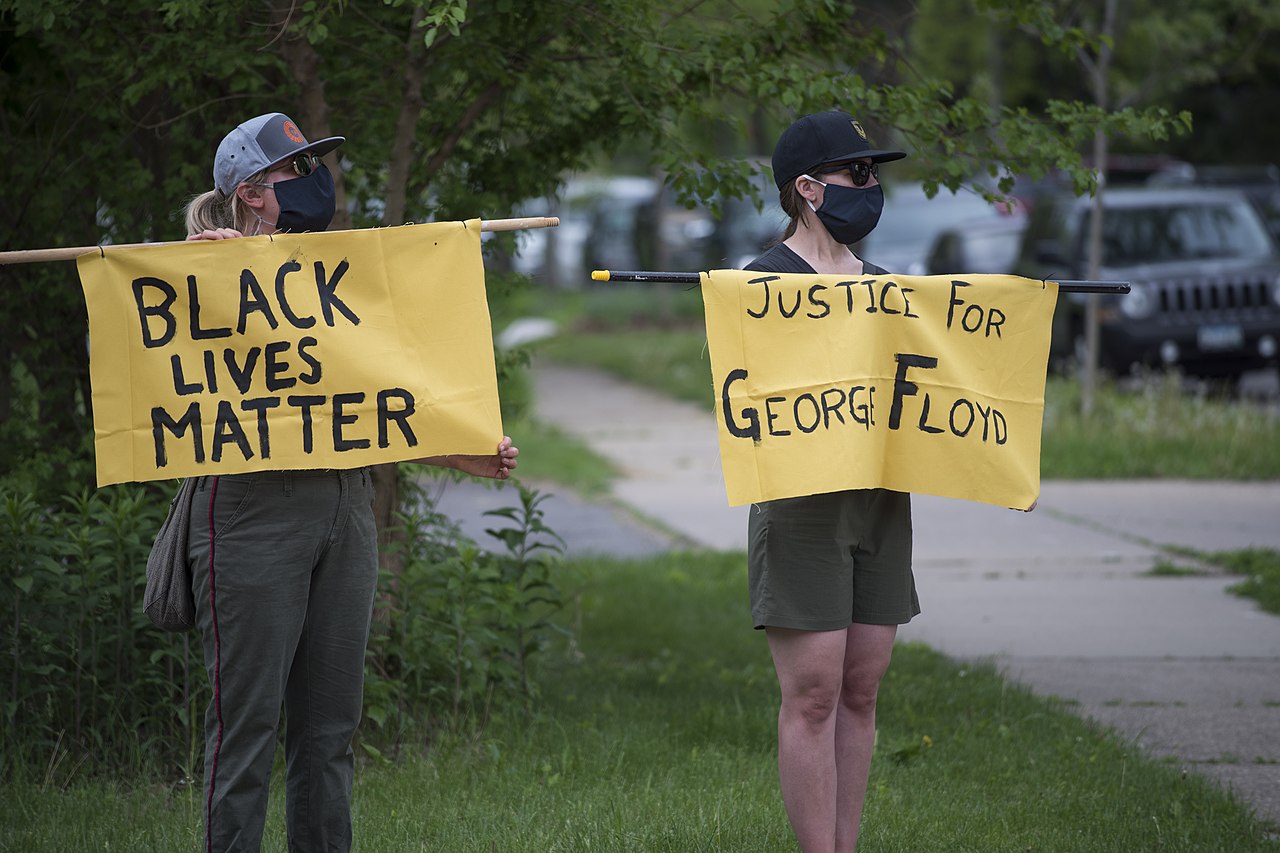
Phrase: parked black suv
pixel 1205 273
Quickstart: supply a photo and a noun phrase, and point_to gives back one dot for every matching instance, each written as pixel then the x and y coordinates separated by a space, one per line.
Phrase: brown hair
pixel 792 204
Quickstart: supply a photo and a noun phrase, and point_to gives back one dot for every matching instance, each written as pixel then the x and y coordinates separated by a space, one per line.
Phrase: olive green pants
pixel 284 566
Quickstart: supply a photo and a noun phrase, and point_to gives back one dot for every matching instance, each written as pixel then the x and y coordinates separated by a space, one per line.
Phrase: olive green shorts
pixel 822 562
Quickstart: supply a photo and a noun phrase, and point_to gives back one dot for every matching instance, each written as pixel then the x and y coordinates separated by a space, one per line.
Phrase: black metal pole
pixel 637 275
pixel 1067 286
pixel 1116 287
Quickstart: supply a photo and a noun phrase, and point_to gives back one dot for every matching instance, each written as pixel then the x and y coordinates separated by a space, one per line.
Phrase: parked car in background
pixel 1204 270
pixel 1260 184
pixel 912 221
pixel 632 222
pixel 980 246
pixel 611 241
pixel 605 204
pixel 743 230
pixel 659 233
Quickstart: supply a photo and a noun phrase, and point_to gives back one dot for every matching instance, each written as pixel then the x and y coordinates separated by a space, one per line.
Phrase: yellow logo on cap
pixel 858 128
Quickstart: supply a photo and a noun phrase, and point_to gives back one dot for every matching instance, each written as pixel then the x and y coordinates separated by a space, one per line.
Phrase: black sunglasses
pixel 859 172
pixel 305 163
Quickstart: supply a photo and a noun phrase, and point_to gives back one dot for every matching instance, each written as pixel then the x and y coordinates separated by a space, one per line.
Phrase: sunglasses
pixel 305 163
pixel 859 172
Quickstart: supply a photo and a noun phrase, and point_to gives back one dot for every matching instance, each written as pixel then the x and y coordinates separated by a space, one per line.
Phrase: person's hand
pixel 496 466
pixel 215 234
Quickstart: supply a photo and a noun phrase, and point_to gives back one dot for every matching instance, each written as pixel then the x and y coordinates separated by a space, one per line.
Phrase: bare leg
pixel 866 658
pixel 810 667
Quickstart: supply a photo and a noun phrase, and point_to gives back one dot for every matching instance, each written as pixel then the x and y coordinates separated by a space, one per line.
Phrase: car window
pixel 916 219
pixel 911 222
pixel 996 251
pixel 1180 232
pixel 1226 231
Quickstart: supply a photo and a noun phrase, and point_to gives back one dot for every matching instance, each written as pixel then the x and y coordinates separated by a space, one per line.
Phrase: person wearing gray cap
pixel 830 574
pixel 284 563
pixel 267 178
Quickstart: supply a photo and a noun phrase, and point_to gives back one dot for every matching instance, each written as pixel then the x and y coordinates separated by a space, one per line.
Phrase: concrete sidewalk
pixel 1061 599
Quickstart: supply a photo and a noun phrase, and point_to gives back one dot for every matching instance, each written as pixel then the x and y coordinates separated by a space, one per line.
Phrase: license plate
pixel 1216 338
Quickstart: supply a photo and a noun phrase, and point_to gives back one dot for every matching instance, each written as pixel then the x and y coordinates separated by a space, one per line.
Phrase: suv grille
pixel 1179 297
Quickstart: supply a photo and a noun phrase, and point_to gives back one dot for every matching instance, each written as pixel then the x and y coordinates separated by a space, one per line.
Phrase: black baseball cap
pixel 821 139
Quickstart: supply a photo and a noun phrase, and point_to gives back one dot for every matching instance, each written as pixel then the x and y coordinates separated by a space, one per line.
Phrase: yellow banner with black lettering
pixel 930 384
pixel 328 350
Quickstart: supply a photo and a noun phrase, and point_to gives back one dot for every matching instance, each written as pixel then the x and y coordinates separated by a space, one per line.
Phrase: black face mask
pixel 306 204
pixel 849 213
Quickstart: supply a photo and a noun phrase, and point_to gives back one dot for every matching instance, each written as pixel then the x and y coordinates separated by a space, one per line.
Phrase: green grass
pixel 673 361
pixel 1154 430
pixel 656 732
pixel 1261 568
pixel 620 305
pixel 549 454
pixel 1167 569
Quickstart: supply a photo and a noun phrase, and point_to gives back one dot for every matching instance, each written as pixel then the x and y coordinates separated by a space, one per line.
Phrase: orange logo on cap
pixel 291 131
pixel 858 128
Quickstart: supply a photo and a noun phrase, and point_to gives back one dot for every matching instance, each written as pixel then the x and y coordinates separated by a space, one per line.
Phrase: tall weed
pixel 461 625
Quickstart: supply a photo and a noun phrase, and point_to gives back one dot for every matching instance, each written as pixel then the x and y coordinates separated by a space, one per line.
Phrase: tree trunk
pixel 411 106
pixel 304 66
pixel 313 112
pixel 1089 375
pixel 386 502
pixel 1099 79
pixel 400 161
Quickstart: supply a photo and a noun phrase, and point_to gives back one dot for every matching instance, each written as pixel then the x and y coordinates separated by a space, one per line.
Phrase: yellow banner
pixel 930 384
pixel 329 350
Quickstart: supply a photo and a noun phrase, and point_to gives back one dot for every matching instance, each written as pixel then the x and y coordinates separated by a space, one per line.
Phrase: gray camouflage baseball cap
pixel 259 142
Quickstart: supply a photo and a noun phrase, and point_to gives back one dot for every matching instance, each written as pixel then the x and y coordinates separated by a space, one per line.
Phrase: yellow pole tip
pixel 599 275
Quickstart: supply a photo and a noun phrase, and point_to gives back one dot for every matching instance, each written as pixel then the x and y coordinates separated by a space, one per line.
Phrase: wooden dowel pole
pixel 68 253
pixel 520 224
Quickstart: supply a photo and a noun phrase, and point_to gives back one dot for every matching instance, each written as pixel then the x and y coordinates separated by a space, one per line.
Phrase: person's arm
pixel 497 466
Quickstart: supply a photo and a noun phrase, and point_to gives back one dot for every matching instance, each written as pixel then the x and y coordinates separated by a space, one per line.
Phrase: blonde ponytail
pixel 212 210
pixel 209 211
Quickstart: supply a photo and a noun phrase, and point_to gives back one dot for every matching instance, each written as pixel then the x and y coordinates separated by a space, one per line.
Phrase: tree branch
pixel 469 118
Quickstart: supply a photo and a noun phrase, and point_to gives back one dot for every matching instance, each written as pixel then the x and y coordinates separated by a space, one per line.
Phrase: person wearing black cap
pixel 284 563
pixel 830 574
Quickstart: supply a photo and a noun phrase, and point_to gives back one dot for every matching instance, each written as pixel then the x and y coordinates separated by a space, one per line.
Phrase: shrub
pixel 92 687
pixel 87 676
pixel 460 624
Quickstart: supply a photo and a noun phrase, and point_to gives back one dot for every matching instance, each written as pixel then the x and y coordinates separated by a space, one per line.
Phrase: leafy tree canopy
pixel 112 111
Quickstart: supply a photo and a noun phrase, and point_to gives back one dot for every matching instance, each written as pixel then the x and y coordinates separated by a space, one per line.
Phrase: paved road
pixel 1061 599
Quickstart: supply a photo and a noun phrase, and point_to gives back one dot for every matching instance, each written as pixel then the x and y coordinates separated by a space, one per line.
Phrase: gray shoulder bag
pixel 168 601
